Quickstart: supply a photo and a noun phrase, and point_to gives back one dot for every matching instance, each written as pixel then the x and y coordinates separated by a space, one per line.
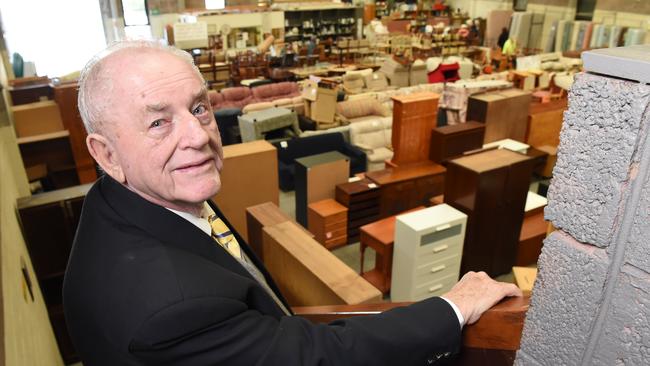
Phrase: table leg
pixel 362 247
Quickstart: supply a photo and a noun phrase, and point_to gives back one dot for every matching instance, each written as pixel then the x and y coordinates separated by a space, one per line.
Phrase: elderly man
pixel 158 277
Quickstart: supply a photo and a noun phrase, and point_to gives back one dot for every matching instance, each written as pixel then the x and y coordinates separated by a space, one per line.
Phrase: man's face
pixel 164 133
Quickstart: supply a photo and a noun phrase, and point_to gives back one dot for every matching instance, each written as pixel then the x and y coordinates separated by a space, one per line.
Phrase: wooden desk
pixel 408 186
pixel 380 236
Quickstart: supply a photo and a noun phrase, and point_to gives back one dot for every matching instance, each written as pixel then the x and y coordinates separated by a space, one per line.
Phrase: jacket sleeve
pixel 218 331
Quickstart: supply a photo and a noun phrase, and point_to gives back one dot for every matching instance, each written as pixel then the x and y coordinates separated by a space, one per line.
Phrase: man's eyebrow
pixel 201 94
pixel 158 107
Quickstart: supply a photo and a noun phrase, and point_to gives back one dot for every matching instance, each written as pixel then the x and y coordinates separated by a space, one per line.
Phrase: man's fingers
pixel 510 289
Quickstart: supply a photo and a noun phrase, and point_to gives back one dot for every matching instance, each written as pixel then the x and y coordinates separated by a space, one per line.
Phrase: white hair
pixel 94 85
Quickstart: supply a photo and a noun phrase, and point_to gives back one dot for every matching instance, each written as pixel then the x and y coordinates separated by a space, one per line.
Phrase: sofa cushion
pixel 283 102
pixel 371 135
pixel 379 155
pixel 236 94
pixel 253 107
pixel 353 84
pixel 376 81
pixel 360 108
pixel 271 92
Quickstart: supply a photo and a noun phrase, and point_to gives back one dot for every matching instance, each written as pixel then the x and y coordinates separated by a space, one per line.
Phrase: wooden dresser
pixel 328 222
pixel 414 116
pixel 362 200
pixel 504 112
pixel 408 186
pixel 545 123
pixel 491 189
pixel 453 140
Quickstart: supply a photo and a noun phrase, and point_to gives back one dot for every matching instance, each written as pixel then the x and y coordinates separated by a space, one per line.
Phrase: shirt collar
pixel 200 222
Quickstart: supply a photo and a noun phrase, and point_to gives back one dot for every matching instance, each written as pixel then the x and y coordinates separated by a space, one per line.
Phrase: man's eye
pixel 156 123
pixel 199 110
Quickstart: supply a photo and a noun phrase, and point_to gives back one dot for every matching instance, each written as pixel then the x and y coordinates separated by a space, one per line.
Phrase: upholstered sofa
pixel 241 96
pixel 374 138
pixel 289 151
pixel 368 109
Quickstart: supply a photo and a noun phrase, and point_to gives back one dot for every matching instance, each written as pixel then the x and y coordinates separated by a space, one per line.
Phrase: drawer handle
pixel 443 227
pixel 440 248
pixel 435 288
pixel 438 268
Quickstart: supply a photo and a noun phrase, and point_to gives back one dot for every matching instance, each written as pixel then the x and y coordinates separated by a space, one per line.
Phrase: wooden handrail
pixel 498 329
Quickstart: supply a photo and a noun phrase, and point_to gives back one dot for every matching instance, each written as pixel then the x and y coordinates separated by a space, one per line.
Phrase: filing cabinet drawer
pixel 434 288
pixel 447 266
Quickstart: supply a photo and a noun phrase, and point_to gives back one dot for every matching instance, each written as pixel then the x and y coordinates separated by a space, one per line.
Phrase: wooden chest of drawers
pixel 408 186
pixel 427 252
pixel 504 112
pixel 362 200
pixel 414 116
pixel 491 188
pixel 453 140
pixel 328 222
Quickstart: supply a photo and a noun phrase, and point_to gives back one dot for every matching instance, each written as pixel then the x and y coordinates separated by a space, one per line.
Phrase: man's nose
pixel 193 133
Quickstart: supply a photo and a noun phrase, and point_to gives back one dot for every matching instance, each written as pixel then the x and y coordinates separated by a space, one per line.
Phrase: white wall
pixel 480 8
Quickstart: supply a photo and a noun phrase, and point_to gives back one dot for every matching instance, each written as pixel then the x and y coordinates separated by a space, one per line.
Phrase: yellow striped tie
pixel 222 234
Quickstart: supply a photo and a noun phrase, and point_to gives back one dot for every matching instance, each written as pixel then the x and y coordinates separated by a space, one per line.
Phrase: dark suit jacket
pixel 146 287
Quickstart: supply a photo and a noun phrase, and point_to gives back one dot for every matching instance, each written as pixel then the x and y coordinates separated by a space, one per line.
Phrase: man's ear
pixel 104 153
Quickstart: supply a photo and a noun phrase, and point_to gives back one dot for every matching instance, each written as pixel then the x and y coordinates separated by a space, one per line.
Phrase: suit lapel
pixel 166 226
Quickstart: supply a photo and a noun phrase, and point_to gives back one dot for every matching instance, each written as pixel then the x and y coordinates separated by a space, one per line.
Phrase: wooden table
pixel 380 236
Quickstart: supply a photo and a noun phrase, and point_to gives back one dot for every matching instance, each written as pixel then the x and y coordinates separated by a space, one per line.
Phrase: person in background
pixel 503 37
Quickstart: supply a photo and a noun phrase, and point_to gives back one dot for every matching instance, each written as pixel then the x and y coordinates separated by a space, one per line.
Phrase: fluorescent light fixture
pixel 215 4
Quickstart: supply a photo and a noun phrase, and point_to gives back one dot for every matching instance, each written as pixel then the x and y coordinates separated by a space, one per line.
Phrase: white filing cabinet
pixel 427 252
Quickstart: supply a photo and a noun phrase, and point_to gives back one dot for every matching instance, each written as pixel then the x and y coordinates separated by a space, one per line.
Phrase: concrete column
pixel 591 301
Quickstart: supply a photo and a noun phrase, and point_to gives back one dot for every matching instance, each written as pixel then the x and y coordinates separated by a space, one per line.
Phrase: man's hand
pixel 477 292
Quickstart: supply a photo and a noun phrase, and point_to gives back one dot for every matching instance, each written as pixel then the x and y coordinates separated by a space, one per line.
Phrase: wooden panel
pixel 545 123
pixel 259 216
pixel 25 330
pixel 244 167
pixel 414 116
pixel 531 239
pixel 307 273
pixel 498 329
pixel 504 112
pixel 66 97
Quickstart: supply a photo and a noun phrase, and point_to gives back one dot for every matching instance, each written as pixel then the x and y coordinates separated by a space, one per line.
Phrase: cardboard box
pixel 37 118
pixel 324 107
pixel 309 91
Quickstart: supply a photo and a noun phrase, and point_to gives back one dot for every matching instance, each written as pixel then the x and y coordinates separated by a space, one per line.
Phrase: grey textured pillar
pixel 591 301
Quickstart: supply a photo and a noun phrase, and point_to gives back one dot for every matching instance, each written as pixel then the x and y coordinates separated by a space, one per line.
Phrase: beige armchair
pixel 374 138
pixel 358 110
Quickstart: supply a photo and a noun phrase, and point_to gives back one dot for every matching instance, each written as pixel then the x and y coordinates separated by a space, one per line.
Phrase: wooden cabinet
pixel 362 201
pixel 504 112
pixel 545 123
pixel 408 186
pixel 66 97
pixel 328 222
pixel 49 223
pixel 414 116
pixel 316 177
pixel 453 140
pixel 491 189
pixel 427 254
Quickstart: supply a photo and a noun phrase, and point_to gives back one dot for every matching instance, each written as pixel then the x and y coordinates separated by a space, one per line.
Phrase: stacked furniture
pixel 316 178
pixel 361 198
pixel 427 252
pixel 289 151
pixel 49 222
pixel 490 187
